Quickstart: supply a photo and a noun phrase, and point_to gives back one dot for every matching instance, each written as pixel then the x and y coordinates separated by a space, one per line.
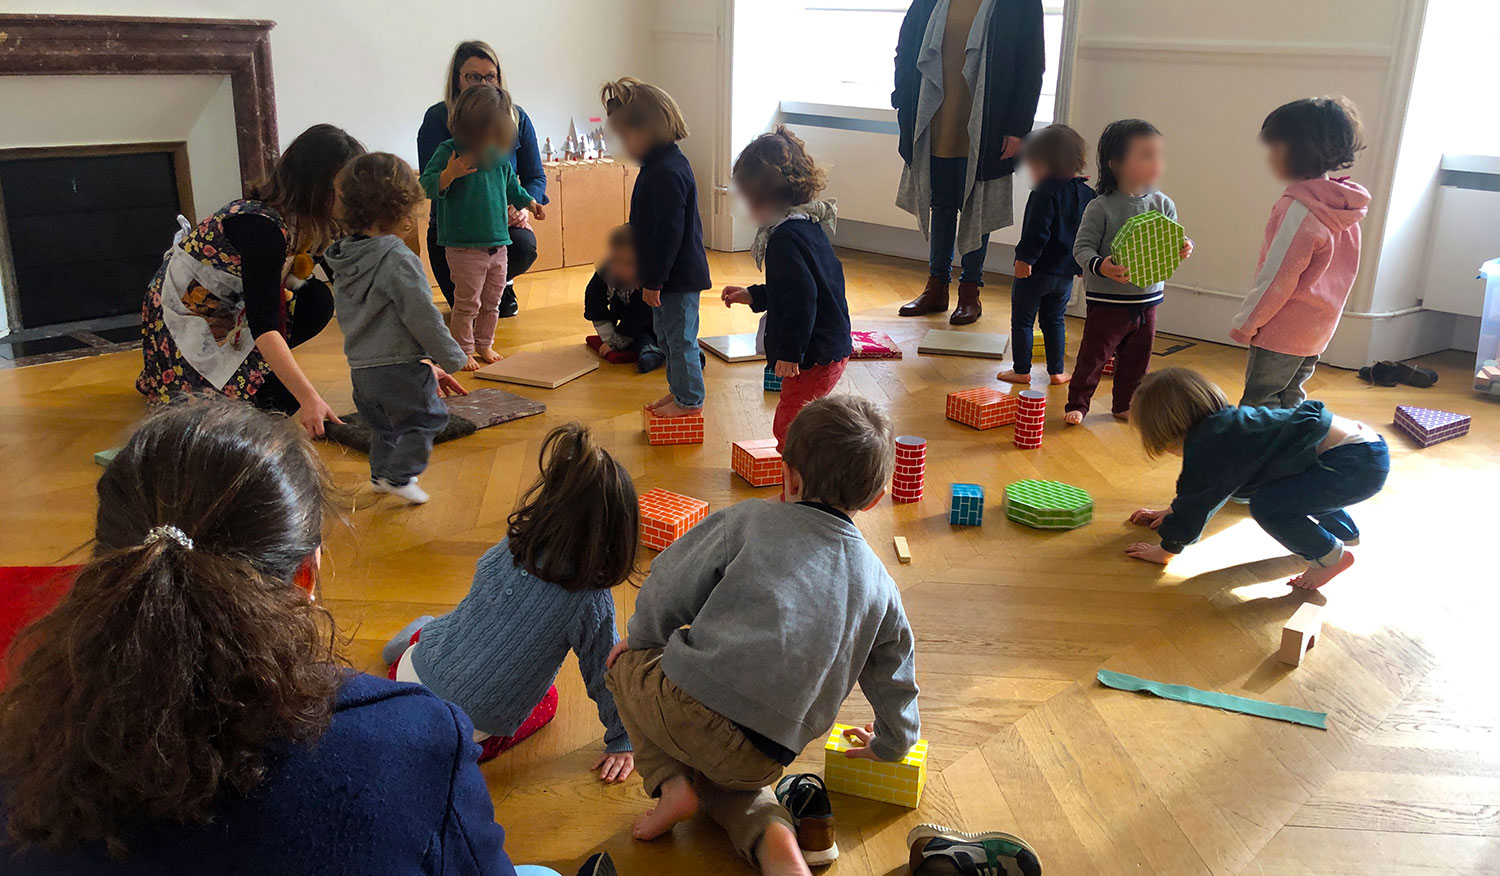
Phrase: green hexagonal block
pixel 1150 245
pixel 1047 505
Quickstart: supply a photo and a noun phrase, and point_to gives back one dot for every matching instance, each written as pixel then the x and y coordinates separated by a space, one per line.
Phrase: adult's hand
pixel 314 413
pixel 1012 146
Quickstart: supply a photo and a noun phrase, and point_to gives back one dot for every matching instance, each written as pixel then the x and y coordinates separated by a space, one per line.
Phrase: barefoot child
pixel 807 339
pixel 473 186
pixel 541 592
pixel 673 267
pixel 1056 157
pixel 1310 252
pixel 394 337
pixel 715 701
pixel 1300 466
pixel 1121 316
pixel 613 302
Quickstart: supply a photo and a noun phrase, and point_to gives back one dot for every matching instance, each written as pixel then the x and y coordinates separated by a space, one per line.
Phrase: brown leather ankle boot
pixel 934 299
pixel 968 309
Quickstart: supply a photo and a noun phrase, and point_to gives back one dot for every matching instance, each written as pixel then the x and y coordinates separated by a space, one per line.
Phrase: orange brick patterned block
pixel 666 516
pixel 983 408
pixel 672 430
pixel 757 462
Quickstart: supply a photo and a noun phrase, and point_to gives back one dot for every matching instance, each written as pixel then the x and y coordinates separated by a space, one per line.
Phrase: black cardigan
pixel 807 316
pixel 665 225
pixel 632 317
pixel 1015 59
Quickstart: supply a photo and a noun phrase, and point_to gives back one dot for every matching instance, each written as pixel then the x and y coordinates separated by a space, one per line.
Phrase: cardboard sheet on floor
pixel 732 348
pixel 547 369
pixel 467 414
pixel 1214 700
pixel 976 344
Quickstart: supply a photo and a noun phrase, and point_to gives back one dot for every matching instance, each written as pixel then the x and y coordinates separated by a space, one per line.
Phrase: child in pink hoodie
pixel 1310 253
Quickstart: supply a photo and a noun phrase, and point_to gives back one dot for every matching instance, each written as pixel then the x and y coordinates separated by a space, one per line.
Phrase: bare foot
pixel 778 853
pixel 1015 377
pixel 678 802
pixel 664 400
pixel 1317 576
pixel 488 355
pixel 1073 418
pixel 1122 416
pixel 1059 379
pixel 472 364
pixel 673 409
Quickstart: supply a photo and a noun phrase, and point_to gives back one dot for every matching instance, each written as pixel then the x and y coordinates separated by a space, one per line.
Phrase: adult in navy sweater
pixel 475 63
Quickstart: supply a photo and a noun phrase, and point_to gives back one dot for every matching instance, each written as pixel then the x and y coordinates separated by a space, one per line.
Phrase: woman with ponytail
pixel 184 709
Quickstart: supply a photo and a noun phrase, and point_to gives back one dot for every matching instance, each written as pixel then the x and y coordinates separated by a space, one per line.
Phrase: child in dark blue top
pixel 673 267
pixel 1299 467
pixel 614 303
pixel 1055 156
pixel 807 317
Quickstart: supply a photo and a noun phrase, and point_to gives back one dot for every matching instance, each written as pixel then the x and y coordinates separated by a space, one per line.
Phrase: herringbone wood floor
pixel 1011 623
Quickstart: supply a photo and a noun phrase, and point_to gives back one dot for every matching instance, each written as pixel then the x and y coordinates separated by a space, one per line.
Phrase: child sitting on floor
pixel 394 337
pixel 1055 156
pixel 807 339
pixel 706 681
pixel 542 591
pixel 613 302
pixel 1300 467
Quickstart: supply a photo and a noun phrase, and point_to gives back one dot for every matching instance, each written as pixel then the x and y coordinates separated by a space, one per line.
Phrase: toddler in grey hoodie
pixel 394 337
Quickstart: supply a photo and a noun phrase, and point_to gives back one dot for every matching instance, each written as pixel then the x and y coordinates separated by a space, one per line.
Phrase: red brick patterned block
pixel 672 430
pixel 1031 411
pixel 757 461
pixel 982 408
pixel 911 469
pixel 666 516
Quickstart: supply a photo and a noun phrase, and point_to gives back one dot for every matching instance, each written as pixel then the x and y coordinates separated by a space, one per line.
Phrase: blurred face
pixel 1037 171
pixel 621 265
pixel 636 143
pixel 477 71
pixel 1276 157
pixel 1142 166
pixel 761 211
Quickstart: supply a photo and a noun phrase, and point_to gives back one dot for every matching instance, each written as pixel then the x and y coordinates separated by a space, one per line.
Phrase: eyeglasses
pixel 481 79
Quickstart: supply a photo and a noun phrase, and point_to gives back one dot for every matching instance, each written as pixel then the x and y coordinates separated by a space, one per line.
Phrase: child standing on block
pixel 1121 317
pixel 1310 252
pixel 472 184
pixel 807 338
pixel 668 234
pixel 539 593
pixel 716 709
pixel 394 337
pixel 614 303
pixel 1300 466
pixel 1055 156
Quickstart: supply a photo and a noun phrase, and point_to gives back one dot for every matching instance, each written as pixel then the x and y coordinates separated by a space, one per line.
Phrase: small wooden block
pixel 1300 633
pixel 546 369
pixel 672 430
pixel 903 551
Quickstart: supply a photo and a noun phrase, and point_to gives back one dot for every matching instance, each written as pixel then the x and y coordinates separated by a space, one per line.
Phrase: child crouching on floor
pixel 750 632
pixel 1300 467
pixel 807 340
pixel 394 337
pixel 542 591
pixel 613 302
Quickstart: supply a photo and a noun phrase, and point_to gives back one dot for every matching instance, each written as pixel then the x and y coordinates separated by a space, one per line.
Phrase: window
pixel 852 64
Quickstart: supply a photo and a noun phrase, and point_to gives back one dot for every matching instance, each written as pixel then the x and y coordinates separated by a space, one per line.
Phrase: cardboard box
pixel 667 516
pixel 899 782
pixel 757 461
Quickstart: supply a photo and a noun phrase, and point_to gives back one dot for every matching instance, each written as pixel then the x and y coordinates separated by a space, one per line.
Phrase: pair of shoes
pixel 939 850
pixel 599 865
pixel 968 309
pixel 806 798
pixel 649 361
pixel 409 491
pixel 509 306
pixel 1388 373
pixel 934 299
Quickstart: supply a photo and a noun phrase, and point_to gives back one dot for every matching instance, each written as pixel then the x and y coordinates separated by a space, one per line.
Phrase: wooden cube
pixel 757 461
pixel 666 516
pixel 672 430
pixel 899 782
pixel 982 408
pixel 1300 633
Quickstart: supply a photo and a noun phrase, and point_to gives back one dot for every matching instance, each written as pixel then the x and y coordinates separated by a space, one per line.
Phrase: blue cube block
pixel 771 383
pixel 967 506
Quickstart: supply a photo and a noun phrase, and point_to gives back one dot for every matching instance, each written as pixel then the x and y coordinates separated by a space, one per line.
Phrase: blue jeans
pixel 1305 512
pixel 948 178
pixel 676 324
pixel 1045 295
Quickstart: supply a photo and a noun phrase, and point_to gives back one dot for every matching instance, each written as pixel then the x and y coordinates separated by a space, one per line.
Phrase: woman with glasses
pixel 475 63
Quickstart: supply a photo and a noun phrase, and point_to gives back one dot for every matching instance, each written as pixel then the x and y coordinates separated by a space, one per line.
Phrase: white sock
pixel 408 491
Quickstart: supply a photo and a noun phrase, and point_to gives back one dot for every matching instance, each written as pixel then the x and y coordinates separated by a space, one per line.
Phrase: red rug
pixel 27 593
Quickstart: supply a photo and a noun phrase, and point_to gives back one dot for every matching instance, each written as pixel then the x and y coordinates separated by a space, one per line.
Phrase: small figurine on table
pixel 547 152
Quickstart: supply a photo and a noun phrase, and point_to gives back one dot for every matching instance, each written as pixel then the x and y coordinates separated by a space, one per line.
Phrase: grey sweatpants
pixel 401 406
pixel 1274 380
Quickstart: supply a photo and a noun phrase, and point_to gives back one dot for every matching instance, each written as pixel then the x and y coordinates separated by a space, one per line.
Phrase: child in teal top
pixel 474 188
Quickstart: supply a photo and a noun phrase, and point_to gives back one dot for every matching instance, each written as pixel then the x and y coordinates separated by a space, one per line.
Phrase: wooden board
pixel 732 348
pixel 976 344
pixel 547 369
pixel 596 203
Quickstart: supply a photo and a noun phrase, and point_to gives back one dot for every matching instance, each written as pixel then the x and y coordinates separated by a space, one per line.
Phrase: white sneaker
pixel 408 491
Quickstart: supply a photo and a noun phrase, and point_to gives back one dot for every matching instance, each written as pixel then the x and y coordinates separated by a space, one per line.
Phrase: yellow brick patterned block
pixel 899 782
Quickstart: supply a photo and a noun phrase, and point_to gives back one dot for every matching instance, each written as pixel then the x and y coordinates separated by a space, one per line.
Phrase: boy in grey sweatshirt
pixel 394 337
pixel 755 626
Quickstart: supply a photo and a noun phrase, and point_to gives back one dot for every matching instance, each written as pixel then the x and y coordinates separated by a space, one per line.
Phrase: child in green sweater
pixel 472 187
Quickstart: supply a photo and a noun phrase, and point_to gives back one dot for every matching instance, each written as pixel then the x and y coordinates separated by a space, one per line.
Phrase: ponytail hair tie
pixel 158 533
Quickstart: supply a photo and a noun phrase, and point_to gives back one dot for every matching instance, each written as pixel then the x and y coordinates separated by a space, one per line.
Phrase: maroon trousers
pixel 1124 331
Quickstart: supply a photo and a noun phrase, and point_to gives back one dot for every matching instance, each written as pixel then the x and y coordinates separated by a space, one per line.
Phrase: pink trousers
pixel 478 283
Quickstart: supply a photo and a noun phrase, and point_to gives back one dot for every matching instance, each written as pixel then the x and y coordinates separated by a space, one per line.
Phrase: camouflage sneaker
pixel 940 851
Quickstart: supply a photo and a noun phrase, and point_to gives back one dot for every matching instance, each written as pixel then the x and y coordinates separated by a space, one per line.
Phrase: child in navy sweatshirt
pixel 807 317
pixel 613 301
pixel 1055 156
pixel 673 267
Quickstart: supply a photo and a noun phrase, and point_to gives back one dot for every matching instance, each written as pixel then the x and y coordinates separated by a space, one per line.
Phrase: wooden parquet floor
pixel 1011 623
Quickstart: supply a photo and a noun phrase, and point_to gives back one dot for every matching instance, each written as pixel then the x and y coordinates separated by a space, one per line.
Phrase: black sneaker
pixel 806 798
pixel 598 865
pixel 509 306
pixel 940 851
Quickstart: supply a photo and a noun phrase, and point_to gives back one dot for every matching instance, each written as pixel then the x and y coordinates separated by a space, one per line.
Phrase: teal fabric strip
pixel 1228 702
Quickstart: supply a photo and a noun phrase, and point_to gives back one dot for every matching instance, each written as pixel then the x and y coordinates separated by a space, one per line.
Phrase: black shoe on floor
pixel 1412 375
pixel 598 865
pixel 509 306
pixel 1377 374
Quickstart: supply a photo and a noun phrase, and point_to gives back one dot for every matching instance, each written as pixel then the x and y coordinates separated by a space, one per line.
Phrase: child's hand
pixel 1114 270
pixel 614 767
pixel 614 653
pixel 538 211
pixel 733 295
pixel 651 297
pixel 1187 248
pixel 1147 517
pixel 1023 270
pixel 604 348
pixel 863 737
pixel 458 166
pixel 1151 553
pixel 787 369
pixel 447 386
